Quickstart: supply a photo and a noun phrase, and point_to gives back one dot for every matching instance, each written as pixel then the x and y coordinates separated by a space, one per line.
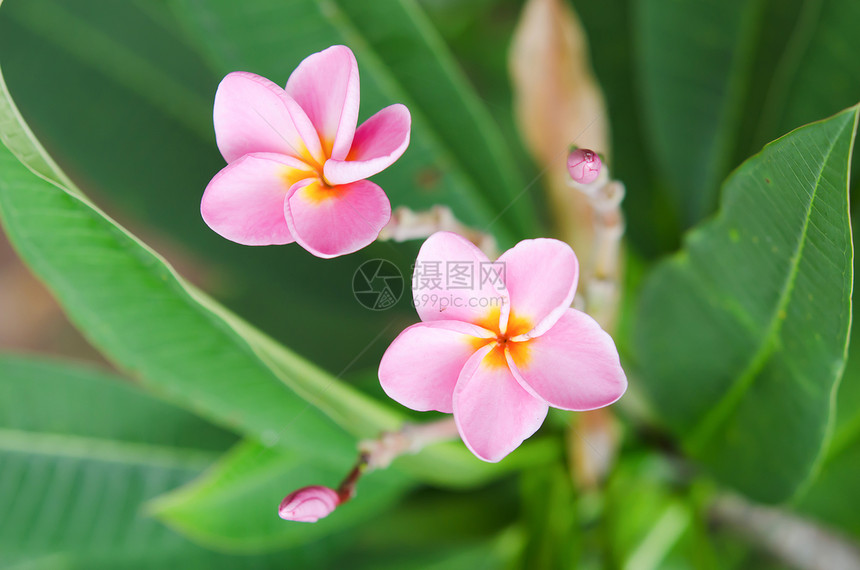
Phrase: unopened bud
pixel 309 504
pixel 583 165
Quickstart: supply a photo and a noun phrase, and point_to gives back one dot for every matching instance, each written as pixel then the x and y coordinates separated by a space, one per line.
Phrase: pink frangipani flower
pixel 296 163
pixel 309 504
pixel 498 352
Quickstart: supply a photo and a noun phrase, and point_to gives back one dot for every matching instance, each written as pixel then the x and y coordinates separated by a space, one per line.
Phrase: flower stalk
pixel 309 504
pixel 406 224
pixel 601 290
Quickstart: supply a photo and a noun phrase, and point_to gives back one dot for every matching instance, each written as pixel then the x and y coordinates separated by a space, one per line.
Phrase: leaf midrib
pixel 719 413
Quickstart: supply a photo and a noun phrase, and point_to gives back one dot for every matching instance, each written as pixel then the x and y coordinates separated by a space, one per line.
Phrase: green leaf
pixel 234 505
pixel 815 75
pixel 651 224
pixel 553 533
pixel 827 499
pixel 80 452
pixel 840 470
pixel 694 58
pixel 720 79
pixel 132 306
pixel 647 520
pixel 431 529
pixel 83 33
pixel 53 397
pixel 456 156
pixel 741 337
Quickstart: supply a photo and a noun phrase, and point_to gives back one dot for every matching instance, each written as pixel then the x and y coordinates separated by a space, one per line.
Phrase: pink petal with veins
pixel 494 414
pixel 252 114
pixel 421 367
pixel 573 366
pixel 329 221
pixel 541 276
pixel 326 85
pixel 245 201
pixel 378 142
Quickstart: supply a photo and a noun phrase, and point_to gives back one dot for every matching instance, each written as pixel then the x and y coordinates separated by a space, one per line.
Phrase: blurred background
pixel 120 94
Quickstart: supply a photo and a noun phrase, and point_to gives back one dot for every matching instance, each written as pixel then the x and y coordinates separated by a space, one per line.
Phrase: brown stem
pixel 346 490
pixel 380 452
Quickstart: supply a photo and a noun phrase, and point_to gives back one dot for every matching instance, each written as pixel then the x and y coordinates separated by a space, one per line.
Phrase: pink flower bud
pixel 309 504
pixel 583 165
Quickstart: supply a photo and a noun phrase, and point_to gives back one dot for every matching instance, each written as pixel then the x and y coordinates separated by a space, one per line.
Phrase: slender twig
pixel 797 541
pixel 380 452
pixel 594 436
pixel 601 292
pixel 408 225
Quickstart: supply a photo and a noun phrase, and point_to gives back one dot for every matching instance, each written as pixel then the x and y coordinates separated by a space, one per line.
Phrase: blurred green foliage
pixel 120 96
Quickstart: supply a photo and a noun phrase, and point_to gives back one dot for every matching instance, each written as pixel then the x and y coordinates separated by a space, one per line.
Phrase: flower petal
pixel 494 414
pixel 450 282
pixel 335 220
pixel 244 202
pixel 309 504
pixel 541 276
pixel 573 366
pixel 421 367
pixel 252 114
pixel 378 142
pixel 325 84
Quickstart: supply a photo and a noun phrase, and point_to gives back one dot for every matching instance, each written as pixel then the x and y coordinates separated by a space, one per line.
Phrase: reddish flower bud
pixel 309 504
pixel 583 165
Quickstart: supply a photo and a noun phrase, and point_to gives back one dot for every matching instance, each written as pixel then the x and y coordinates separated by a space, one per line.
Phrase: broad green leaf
pixel 694 58
pixel 234 505
pixel 81 451
pixel 132 307
pixel 53 397
pixel 741 337
pixel 826 497
pixel 456 155
pixel 830 498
